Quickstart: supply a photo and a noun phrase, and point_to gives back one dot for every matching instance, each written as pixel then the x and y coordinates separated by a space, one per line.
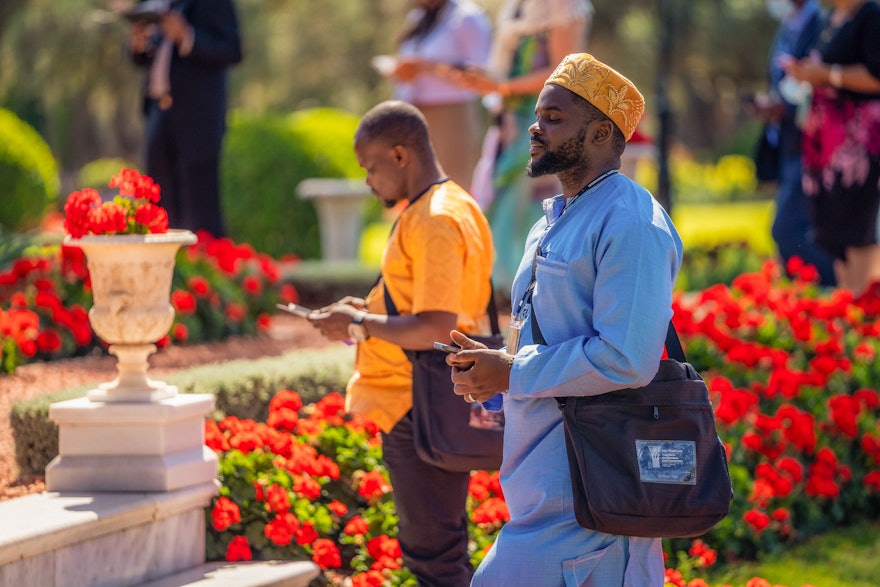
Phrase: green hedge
pixel 265 158
pixel 28 174
pixel 98 173
pixel 242 388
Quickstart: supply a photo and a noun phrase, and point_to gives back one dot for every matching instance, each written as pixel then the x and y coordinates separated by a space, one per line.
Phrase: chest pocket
pixel 550 267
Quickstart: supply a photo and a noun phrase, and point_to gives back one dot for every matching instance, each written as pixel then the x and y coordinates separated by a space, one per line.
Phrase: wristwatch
pixel 356 330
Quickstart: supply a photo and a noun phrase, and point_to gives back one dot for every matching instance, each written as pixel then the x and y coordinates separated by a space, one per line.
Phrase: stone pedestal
pixel 338 202
pixel 150 446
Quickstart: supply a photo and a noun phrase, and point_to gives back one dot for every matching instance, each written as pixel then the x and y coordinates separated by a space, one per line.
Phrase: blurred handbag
pixel 648 461
pixel 446 430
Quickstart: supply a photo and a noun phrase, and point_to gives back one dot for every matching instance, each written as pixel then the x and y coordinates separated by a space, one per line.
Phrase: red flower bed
pixel 219 289
pixel 792 371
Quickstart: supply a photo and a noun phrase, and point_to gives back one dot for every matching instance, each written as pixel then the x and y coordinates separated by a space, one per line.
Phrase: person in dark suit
pixel 187 55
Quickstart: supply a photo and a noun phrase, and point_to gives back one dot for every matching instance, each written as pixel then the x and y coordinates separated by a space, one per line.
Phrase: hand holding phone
pixel 446 348
pixel 295 309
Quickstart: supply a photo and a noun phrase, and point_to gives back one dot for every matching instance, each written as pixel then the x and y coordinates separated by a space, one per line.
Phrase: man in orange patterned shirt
pixel 436 268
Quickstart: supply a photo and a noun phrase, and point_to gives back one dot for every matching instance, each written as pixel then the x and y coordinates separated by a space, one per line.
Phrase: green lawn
pixel 713 224
pixel 848 557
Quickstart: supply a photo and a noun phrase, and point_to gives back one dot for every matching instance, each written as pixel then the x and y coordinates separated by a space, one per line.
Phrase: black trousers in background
pixel 431 506
pixel 185 162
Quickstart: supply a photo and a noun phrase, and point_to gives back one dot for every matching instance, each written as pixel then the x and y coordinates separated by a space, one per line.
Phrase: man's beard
pixel 567 156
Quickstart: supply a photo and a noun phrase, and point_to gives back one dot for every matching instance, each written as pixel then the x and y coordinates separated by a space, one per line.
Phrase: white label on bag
pixel 667 461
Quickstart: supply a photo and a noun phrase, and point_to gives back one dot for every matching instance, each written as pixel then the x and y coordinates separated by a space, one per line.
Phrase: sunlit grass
pixel 849 557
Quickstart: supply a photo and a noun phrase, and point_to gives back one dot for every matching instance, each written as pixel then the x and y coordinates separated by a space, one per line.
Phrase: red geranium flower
pixel 307 487
pixel 306 534
pixel 373 485
pixel 199 285
pixel 325 554
pixel 183 301
pixel 133 211
pixel 337 507
pixel 214 437
pixel 369 579
pixel 225 513
pixel 357 526
pixel 277 498
pixel 758 520
pixel 180 332
pixel 252 285
pixel 239 550
pixel 386 551
pixel 49 341
pixel 286 399
pixel 282 528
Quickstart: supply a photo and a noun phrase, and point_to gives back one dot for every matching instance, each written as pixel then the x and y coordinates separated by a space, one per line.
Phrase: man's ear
pixel 603 132
pixel 401 155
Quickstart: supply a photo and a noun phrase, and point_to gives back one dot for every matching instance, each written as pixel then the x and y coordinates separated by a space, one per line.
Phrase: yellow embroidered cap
pixel 603 87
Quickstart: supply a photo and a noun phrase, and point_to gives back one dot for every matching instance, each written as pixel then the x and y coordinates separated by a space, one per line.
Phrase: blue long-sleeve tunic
pixel 605 273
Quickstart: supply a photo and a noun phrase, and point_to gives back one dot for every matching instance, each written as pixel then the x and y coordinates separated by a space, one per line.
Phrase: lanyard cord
pixel 526 301
pixel 588 187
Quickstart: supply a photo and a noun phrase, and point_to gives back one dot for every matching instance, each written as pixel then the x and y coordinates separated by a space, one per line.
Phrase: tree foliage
pixel 63 69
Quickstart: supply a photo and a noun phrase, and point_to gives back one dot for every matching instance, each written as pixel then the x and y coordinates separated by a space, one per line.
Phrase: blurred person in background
pixel 841 144
pixel 186 48
pixel 531 37
pixel 781 110
pixel 440 35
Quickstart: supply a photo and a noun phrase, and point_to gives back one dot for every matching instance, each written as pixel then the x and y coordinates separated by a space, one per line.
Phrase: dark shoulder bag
pixel 647 461
pixel 445 432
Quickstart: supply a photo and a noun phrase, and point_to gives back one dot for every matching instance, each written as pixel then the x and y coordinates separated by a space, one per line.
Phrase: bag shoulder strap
pixel 673 345
pixel 492 309
pixel 390 307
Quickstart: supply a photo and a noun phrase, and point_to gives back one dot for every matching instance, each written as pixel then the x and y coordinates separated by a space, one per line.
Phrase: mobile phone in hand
pixel 295 309
pixel 446 348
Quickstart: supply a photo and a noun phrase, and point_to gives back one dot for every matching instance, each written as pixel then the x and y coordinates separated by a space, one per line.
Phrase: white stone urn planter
pixel 131 286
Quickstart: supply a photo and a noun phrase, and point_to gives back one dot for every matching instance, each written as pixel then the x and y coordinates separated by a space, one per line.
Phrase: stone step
pixel 242 574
